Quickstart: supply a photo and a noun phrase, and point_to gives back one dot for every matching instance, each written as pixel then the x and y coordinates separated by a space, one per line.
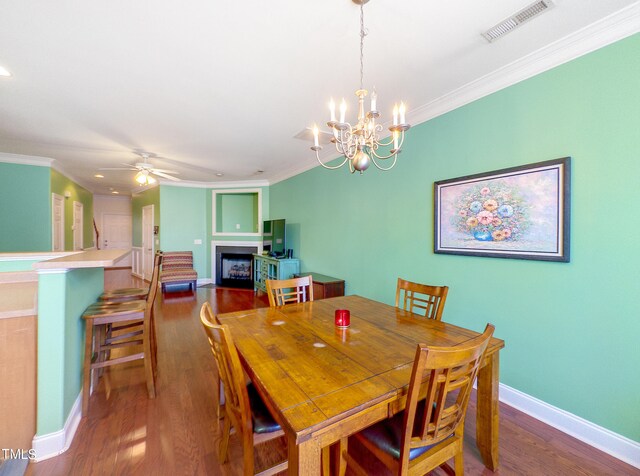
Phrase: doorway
pixel 147 242
pixel 116 230
pixel 78 225
pixel 57 207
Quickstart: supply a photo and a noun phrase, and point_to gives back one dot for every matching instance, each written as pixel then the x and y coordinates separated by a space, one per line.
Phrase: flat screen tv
pixel 273 237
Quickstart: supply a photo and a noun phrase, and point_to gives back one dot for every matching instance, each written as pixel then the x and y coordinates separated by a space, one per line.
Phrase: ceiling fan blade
pixel 163 175
pixel 117 168
pixel 165 171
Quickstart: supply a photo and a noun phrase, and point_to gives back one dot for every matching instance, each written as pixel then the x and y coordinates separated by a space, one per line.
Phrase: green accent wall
pixel 25 208
pixel 61 185
pixel 564 324
pixel 138 201
pixel 184 219
pixel 235 209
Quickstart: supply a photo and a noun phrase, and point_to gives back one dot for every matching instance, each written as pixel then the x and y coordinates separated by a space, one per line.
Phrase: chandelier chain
pixel 362 35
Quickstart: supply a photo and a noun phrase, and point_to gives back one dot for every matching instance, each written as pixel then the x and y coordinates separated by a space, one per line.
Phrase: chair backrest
pixel 286 291
pixel 451 372
pixel 177 260
pixel 230 370
pixel 415 297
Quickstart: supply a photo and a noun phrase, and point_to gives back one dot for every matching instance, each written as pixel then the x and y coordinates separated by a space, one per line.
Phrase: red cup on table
pixel 343 318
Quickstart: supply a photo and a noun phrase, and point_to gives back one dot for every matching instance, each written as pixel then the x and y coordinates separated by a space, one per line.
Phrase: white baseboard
pixel 52 444
pixel 203 281
pixel 616 445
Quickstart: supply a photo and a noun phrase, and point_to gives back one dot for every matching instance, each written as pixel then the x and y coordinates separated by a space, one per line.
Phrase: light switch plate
pixel 197 242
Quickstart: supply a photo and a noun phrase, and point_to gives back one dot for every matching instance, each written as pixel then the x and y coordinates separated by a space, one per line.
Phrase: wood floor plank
pixel 178 433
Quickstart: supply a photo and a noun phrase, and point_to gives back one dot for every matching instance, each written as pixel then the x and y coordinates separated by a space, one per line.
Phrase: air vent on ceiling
pixel 518 19
pixel 306 134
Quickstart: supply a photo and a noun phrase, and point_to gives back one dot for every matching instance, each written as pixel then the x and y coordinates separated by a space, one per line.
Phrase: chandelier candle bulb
pixel 315 136
pixel 395 140
pixel 343 110
pixel 402 112
pixel 332 108
pixel 374 98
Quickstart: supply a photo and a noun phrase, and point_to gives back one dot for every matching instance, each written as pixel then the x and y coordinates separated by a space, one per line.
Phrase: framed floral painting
pixel 521 212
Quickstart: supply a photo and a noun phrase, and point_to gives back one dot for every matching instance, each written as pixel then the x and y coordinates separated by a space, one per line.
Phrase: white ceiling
pixel 212 87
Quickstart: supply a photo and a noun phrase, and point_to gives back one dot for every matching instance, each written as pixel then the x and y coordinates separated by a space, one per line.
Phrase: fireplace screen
pixel 236 270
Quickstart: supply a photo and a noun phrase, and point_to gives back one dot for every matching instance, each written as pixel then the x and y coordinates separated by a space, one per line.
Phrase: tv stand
pixel 267 267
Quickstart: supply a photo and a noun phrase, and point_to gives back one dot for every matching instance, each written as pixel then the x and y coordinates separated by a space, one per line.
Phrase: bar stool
pixel 104 325
pixel 129 294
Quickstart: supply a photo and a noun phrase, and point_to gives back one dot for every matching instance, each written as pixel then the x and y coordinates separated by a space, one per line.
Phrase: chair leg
pixel 88 354
pixel 458 463
pixel 224 442
pixel 148 363
pixel 247 453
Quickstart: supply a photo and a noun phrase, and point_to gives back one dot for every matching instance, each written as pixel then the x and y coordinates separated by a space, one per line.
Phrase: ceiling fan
pixel 145 170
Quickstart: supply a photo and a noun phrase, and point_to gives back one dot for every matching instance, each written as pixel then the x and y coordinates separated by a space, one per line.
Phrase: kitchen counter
pixel 83 259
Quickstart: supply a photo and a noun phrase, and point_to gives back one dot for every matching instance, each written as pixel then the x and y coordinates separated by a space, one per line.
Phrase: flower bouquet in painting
pixel 491 212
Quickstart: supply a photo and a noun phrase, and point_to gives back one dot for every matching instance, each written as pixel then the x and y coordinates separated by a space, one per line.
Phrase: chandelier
pixel 361 142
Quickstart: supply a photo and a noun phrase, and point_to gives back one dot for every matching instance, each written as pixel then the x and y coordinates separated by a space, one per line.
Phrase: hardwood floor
pixel 177 433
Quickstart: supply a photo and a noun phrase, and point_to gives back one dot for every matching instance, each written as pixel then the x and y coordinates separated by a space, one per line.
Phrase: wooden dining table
pixel 323 383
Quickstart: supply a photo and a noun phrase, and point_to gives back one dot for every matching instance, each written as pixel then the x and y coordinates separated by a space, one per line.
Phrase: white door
pixel 77 225
pixel 147 242
pixel 57 241
pixel 116 234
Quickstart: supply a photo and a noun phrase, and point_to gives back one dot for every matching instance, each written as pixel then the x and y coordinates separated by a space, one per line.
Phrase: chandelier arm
pixel 395 158
pixel 331 167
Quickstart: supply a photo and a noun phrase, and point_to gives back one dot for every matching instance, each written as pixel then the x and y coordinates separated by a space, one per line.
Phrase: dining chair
pixel 112 326
pixel 429 432
pixel 244 410
pixel 415 297
pixel 129 294
pixel 287 291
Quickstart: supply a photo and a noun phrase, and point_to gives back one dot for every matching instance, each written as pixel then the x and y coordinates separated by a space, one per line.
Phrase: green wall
pixel 184 218
pixel 564 324
pixel 60 185
pixel 139 200
pixel 25 208
pixel 62 297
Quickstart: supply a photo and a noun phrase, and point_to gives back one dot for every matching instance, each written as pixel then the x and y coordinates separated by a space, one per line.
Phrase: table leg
pixel 304 458
pixel 339 463
pixel 487 417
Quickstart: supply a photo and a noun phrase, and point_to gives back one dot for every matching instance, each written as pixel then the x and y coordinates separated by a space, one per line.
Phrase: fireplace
pixel 234 266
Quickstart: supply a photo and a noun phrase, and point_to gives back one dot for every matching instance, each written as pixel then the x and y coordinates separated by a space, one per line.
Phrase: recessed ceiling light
pixel 4 71
pixel 219 174
pixel 115 192
pixel 99 176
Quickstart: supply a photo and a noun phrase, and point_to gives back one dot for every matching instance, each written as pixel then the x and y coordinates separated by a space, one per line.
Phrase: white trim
pixel 136 261
pixel 215 244
pixel 52 444
pixel 25 159
pixel 214 199
pixel 616 445
pixel 203 281
pixel 53 270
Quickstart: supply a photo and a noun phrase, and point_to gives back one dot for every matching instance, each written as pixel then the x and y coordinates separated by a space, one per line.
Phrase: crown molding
pixel 25 159
pixel 606 31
